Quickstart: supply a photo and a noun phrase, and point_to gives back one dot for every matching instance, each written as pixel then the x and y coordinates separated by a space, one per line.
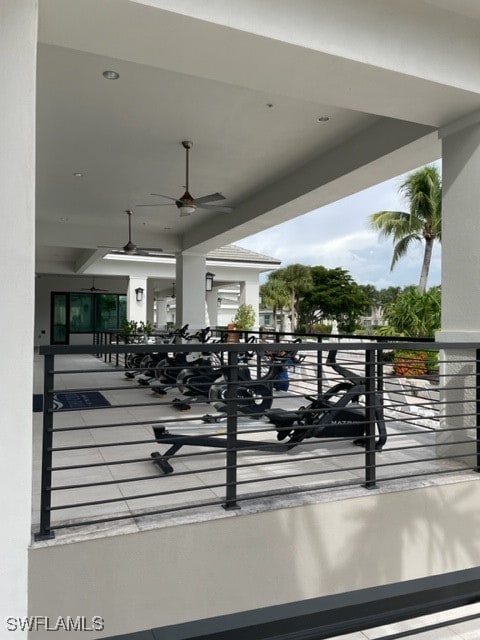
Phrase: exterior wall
pixel 250 560
pixel 44 285
pixel 460 277
pixel 18 34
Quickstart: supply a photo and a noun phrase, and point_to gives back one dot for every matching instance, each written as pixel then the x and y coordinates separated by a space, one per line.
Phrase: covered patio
pixel 290 106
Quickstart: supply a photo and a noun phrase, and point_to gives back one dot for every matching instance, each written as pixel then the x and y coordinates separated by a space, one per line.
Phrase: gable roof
pixel 234 253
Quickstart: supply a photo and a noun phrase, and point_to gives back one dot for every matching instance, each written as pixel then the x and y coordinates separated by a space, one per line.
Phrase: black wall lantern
pixel 139 294
pixel 209 281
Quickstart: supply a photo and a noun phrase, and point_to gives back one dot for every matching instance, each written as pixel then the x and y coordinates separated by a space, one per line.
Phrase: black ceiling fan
pixel 188 204
pixel 93 288
pixel 130 248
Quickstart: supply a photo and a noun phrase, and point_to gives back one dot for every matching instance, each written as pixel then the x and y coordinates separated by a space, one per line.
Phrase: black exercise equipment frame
pixel 354 386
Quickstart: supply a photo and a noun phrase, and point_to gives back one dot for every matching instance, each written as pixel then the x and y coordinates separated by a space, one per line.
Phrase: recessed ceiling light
pixel 110 75
pixel 77 174
pixel 323 119
pixel 270 105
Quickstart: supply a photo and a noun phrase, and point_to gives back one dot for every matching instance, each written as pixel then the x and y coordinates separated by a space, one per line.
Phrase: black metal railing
pixel 347 415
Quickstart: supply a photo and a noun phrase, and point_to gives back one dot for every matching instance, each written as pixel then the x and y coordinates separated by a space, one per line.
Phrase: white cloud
pixel 338 235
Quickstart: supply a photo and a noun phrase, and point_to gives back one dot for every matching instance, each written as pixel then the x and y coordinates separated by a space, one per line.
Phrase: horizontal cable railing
pixel 152 430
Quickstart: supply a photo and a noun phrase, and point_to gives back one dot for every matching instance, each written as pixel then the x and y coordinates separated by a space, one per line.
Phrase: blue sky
pixel 338 235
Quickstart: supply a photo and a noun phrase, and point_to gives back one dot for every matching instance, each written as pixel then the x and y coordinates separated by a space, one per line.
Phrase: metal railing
pixel 246 433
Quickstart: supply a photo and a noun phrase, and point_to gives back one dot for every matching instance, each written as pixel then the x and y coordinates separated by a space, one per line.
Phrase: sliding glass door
pixel 60 312
pixel 83 313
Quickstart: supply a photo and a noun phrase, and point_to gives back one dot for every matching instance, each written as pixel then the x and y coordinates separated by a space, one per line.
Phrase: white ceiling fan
pixel 187 204
pixel 130 248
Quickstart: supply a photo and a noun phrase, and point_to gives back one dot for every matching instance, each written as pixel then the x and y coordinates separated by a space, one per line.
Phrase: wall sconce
pixel 219 302
pixel 209 281
pixel 139 294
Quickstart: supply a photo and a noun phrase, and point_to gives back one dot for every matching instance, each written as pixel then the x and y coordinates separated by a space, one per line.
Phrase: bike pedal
pixel 180 406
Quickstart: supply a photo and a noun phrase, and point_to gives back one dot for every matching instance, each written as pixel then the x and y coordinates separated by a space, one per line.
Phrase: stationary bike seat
pixel 281 417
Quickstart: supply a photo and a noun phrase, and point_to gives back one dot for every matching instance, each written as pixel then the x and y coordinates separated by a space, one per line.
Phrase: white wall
pixel 245 561
pixel 45 284
pixel 18 34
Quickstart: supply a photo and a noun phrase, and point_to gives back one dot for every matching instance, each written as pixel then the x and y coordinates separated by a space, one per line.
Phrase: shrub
pixel 321 327
pixel 414 363
pixel 245 317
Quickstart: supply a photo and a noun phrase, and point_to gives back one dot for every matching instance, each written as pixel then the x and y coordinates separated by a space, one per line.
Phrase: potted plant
pixel 145 328
pixel 129 330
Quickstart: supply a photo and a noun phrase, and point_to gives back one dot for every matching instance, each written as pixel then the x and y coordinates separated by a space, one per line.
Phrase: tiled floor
pixel 199 477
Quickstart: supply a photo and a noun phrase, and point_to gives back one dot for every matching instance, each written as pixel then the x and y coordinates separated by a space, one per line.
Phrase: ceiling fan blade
pixel 160 195
pixel 213 197
pixel 159 204
pixel 150 249
pixel 214 207
pixel 104 247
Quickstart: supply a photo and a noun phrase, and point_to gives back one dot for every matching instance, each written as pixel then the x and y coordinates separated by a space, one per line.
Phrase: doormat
pixel 72 400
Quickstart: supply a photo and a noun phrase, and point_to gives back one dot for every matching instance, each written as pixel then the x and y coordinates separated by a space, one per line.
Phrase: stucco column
pixel 212 307
pixel 161 312
pixel 150 302
pixel 250 294
pixel 460 280
pixel 137 310
pixel 190 291
pixel 18 44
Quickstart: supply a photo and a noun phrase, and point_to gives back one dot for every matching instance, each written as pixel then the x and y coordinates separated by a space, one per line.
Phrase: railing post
pixel 117 340
pixel 232 413
pixel 477 408
pixel 45 532
pixel 370 399
pixel 319 367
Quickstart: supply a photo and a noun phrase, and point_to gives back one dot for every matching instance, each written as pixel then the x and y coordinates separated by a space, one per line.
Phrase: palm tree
pixel 298 280
pixel 422 223
pixel 275 294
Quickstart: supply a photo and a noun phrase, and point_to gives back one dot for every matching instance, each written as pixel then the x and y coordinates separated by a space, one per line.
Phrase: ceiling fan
pixel 130 248
pixel 187 204
pixel 93 288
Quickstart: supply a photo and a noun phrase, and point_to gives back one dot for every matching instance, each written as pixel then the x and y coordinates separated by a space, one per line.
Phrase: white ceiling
pixel 179 80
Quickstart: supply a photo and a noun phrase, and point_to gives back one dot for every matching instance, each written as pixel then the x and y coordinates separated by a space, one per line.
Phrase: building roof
pixel 234 253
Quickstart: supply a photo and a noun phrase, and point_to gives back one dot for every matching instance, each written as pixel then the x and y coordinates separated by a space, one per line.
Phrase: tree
pixel 333 295
pixel 275 294
pixel 298 280
pixel 422 223
pixel 388 295
pixel 415 313
pixel 245 317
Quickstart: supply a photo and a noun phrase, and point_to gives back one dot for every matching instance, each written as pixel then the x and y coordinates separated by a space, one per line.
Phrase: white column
pixel 161 312
pixel 137 310
pixel 150 300
pixel 212 307
pixel 190 291
pixel 18 42
pixel 250 294
pixel 460 280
